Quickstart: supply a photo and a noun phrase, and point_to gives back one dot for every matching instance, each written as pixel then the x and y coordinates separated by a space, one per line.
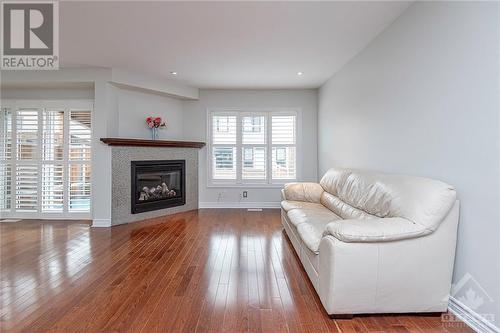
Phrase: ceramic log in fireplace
pixel 157 184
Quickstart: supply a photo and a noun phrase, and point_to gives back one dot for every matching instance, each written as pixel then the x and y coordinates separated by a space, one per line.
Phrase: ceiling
pixel 223 44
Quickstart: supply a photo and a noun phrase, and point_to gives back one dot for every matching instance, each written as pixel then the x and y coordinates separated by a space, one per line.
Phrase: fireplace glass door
pixel 157 185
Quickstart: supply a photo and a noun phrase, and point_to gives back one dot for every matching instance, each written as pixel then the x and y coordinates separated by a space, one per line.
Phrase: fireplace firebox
pixel 158 184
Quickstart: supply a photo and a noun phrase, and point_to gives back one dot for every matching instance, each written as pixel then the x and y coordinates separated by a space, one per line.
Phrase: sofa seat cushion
pixel 309 215
pixel 374 230
pixel 311 223
pixel 288 205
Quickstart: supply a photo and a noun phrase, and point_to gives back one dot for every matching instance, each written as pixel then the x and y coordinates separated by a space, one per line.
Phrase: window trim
pixel 268 182
pixel 67 105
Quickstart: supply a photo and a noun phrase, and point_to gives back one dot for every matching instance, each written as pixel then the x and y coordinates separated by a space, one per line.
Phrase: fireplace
pixel 158 184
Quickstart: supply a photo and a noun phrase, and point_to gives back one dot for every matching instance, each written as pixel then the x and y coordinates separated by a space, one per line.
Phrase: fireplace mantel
pixel 151 143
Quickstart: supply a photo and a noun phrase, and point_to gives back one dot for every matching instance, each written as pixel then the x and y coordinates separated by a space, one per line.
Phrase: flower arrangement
pixel 154 123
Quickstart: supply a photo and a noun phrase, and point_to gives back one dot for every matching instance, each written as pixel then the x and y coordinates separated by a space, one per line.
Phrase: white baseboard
pixel 10 220
pixel 474 320
pixel 239 204
pixel 46 216
pixel 101 223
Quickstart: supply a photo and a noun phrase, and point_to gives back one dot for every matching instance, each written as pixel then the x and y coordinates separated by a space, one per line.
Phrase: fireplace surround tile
pixel 122 156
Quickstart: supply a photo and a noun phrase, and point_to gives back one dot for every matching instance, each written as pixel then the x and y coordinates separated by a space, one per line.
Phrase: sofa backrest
pixel 354 193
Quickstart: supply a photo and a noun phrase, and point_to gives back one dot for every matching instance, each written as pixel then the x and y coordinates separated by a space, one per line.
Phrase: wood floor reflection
pixel 201 271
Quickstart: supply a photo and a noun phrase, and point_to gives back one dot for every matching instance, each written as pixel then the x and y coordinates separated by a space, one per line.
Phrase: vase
pixel 154 133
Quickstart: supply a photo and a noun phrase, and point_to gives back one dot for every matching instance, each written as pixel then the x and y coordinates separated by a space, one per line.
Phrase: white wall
pixel 195 127
pixel 423 99
pixel 135 106
pixel 152 84
pixel 48 93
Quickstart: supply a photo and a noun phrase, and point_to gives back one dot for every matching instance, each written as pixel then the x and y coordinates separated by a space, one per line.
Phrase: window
pixel 45 156
pixel 280 157
pixel 224 158
pixel 222 124
pixel 252 147
pixel 253 124
pixel 247 157
pixel 283 147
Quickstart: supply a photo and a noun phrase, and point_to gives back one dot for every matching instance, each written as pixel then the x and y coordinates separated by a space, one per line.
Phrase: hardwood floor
pixel 201 271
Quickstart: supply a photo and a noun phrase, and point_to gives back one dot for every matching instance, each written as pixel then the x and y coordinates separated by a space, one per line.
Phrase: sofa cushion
pixel 310 192
pixel 343 209
pixel 374 230
pixel 420 200
pixel 311 223
pixel 308 215
pixel 288 205
pixel 359 189
pixel 311 234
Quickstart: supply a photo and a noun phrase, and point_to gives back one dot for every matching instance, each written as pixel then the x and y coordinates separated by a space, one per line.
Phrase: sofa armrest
pixel 374 230
pixel 309 192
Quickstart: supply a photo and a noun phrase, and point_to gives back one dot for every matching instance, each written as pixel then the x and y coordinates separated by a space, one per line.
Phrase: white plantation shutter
pixel 254 135
pixel 254 163
pixel 284 160
pixel 283 130
pixel 45 156
pixel 5 159
pixel 52 187
pixel 284 139
pixel 53 135
pixel 80 136
pixel 224 129
pixel 6 135
pixel 224 162
pixel 27 134
pixel 223 153
pixel 5 186
pixel 253 129
pixel 252 147
pixel 26 171
pixel 27 187
pixel 79 187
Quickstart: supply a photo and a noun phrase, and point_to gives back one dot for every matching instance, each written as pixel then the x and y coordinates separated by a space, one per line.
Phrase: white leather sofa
pixel 372 242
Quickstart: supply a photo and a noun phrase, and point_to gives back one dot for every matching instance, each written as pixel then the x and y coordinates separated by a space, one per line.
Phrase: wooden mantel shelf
pixel 151 143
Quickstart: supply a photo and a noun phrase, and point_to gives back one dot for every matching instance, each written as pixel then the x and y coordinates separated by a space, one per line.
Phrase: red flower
pixel 155 122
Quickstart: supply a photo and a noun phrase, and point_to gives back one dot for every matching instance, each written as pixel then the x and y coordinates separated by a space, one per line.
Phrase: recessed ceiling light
pixel 173 73
pixel 300 73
